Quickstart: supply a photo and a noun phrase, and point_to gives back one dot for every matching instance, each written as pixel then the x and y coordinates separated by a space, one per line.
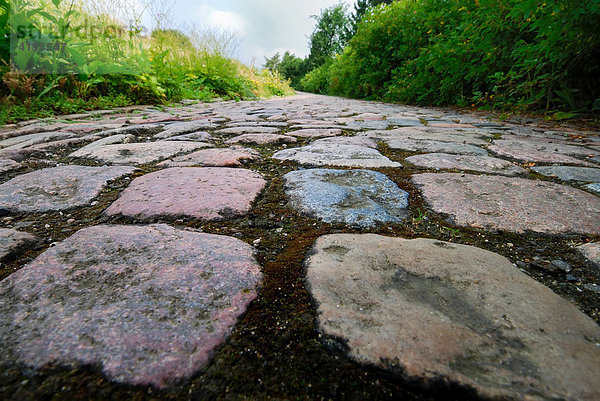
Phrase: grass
pixel 420 217
pixel 102 63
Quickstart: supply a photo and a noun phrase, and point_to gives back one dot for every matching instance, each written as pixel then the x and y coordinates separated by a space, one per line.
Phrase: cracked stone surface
pixel 137 153
pixel 207 193
pixel 109 140
pixel 8 165
pixel 200 136
pixel 57 188
pixel 543 152
pixel 336 155
pixel 315 133
pixel 510 204
pixel 146 304
pixel 591 252
pixel 423 145
pixel 13 242
pixel 59 145
pixel 368 124
pixel 258 123
pixel 181 128
pixel 430 310
pixel 593 187
pixel 325 126
pixel 358 140
pixel 548 147
pixel 484 164
pixel 355 197
pixel 248 130
pixel 570 173
pixel 261 139
pixel 20 142
pixel 471 137
pixel 146 129
pixel 221 157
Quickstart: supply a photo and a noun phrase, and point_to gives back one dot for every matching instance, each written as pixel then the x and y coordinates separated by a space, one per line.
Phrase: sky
pixel 265 26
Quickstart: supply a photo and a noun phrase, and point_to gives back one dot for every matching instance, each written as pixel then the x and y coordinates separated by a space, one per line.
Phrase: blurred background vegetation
pixel 519 55
pixel 105 62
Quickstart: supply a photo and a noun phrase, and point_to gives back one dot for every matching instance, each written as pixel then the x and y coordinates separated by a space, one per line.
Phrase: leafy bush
pixel 330 35
pixel 293 68
pixel 318 80
pixel 526 53
pixel 266 83
pixel 289 66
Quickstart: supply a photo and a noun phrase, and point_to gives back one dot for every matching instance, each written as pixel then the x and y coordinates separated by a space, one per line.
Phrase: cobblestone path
pixel 306 247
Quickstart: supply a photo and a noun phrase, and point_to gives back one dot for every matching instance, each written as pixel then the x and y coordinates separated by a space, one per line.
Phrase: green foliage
pixel 290 67
pixel 273 62
pixel 4 37
pixel 266 83
pixel 330 36
pixel 293 68
pixel 318 80
pixel 360 9
pixel 56 104
pixel 110 65
pixel 525 53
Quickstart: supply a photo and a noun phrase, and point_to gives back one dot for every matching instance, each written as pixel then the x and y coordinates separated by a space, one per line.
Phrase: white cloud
pixel 266 26
pixel 223 19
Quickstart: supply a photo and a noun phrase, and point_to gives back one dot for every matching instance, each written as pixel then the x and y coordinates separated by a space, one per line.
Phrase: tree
pixel 293 68
pixel 330 36
pixel 273 62
pixel 289 66
pixel 360 9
